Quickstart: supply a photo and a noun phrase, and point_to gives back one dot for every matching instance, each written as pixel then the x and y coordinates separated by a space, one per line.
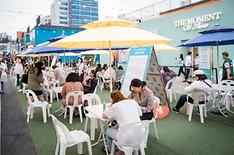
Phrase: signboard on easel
pixel 142 64
pixel 136 67
pixel 204 61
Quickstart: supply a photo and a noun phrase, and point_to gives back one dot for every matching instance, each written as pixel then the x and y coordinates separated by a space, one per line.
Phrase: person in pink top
pixel 167 75
pixel 73 83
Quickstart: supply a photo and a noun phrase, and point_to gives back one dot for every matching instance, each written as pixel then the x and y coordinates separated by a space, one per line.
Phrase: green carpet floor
pixel 177 135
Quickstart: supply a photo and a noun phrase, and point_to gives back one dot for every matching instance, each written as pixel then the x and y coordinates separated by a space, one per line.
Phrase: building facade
pixel 60 13
pixel 82 12
pixel 74 13
pixel 179 25
pixel 40 34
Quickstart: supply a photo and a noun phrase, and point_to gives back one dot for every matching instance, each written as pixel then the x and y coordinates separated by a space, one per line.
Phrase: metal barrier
pixel 155 9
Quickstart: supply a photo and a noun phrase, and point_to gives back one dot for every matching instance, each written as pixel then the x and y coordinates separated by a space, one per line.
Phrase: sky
pixel 17 15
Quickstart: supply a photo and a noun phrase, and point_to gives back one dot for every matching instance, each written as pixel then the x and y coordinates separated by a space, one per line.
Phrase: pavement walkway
pixel 15 135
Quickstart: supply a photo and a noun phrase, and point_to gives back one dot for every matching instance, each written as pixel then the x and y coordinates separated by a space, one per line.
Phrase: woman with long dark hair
pixel 35 79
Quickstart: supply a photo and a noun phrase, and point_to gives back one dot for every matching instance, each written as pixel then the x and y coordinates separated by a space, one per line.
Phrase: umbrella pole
pixel 111 85
pixel 64 59
pixel 217 72
pixel 212 63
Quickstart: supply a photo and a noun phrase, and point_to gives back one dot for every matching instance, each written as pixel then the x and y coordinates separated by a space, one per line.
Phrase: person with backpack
pixel 228 73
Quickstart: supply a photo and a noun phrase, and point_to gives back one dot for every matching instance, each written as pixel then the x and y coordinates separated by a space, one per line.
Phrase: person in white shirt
pixel 3 74
pixel 18 71
pixel 180 60
pixel 80 66
pixel 200 85
pixel 124 111
pixel 109 73
pixel 188 64
pixel 59 74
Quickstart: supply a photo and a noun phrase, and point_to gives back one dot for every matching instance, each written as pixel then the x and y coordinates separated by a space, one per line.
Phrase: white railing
pixel 156 8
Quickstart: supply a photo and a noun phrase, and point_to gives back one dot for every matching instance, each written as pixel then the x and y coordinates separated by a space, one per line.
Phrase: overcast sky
pixel 17 15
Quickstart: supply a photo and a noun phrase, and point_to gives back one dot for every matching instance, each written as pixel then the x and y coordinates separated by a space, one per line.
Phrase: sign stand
pixel 154 80
pixel 143 64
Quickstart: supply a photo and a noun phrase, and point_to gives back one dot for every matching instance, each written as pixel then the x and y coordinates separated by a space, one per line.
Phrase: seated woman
pixel 167 75
pixel 143 96
pixel 35 79
pixel 91 83
pixel 200 85
pixel 72 84
pixel 119 111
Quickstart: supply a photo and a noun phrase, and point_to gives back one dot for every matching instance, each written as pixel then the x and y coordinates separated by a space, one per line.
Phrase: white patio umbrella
pixel 163 47
pixel 95 52
pixel 109 37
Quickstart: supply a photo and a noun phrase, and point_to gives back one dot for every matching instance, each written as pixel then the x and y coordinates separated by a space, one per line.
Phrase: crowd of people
pixel 140 102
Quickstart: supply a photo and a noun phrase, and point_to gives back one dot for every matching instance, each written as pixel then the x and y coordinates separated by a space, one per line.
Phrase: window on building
pixel 62 22
pixel 63 8
pixel 63 13
pixel 63 18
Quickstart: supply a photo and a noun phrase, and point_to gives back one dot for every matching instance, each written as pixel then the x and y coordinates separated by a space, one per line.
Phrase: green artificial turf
pixel 177 135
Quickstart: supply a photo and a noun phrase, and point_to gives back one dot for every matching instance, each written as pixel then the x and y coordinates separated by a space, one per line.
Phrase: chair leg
pixel 80 113
pixel 51 96
pixel 89 147
pixel 96 124
pixel 71 114
pixel 28 114
pixel 112 148
pixel 57 97
pixel 48 110
pixel 170 96
pixel 142 150
pixel 205 111
pixel 155 129
pixel 201 109
pixel 92 128
pixel 57 148
pixel 80 148
pixel 190 106
pixel 62 150
pixel 31 112
pixel 65 112
pixel 86 124
pixel 44 114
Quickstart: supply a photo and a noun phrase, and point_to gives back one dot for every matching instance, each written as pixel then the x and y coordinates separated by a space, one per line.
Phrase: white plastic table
pixel 219 94
pixel 97 111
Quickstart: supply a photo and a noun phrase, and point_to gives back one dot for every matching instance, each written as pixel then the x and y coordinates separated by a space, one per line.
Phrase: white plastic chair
pixel 91 99
pixel 132 137
pixel 54 84
pixel 202 107
pixel 33 102
pixel 168 89
pixel 153 120
pixel 229 99
pixel 66 138
pixel 75 95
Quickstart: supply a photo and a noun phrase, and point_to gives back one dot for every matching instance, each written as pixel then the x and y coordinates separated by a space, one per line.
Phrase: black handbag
pixel 147 115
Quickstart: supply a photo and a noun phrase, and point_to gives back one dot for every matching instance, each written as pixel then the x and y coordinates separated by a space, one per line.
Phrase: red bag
pixel 161 111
